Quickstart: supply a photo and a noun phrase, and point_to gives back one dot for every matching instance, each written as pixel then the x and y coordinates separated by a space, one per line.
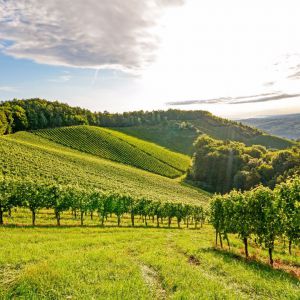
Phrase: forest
pixel 220 166
pixel 34 114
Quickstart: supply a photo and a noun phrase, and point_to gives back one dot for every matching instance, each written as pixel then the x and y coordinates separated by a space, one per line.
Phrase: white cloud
pixel 66 76
pixel 89 33
pixel 8 89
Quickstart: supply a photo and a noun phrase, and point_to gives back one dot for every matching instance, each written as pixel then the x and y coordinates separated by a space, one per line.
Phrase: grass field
pixel 25 155
pixel 91 262
pixel 177 138
pixel 120 147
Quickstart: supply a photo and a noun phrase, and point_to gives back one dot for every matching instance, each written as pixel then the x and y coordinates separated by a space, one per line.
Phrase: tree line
pixel 34 114
pixel 220 166
pixel 62 198
pixel 261 213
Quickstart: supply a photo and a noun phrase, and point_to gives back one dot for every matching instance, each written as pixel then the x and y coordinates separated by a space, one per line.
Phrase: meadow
pixel 93 262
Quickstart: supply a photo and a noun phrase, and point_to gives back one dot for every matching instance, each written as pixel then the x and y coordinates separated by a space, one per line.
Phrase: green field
pixel 91 262
pixel 176 136
pixel 26 155
pixel 119 147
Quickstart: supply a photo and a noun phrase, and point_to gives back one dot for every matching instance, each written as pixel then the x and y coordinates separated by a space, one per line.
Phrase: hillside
pixel 26 155
pixel 287 126
pixel 173 129
pixel 180 135
pixel 116 146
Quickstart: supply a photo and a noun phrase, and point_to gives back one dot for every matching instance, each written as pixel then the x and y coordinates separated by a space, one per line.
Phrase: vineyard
pixel 27 156
pixel 42 262
pixel 35 196
pixel 81 219
pixel 261 214
pixel 116 146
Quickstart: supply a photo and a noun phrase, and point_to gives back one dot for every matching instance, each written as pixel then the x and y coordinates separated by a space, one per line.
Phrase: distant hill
pixel 173 129
pixel 287 126
pixel 180 135
pixel 120 147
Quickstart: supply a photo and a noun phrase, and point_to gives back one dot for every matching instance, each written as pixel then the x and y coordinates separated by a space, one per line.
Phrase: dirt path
pixel 153 281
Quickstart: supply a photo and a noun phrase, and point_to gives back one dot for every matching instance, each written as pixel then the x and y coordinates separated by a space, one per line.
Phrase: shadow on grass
pixel 254 264
pixel 92 226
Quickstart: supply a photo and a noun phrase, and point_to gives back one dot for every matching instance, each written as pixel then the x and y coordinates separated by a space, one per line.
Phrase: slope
pixel 179 135
pixel 287 126
pixel 119 147
pixel 25 155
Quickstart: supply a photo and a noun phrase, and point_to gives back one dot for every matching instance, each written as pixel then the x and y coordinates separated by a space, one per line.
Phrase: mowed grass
pixel 26 156
pixel 120 147
pixel 91 262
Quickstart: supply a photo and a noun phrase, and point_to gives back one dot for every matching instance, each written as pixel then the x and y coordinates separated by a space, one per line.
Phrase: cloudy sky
pixel 234 58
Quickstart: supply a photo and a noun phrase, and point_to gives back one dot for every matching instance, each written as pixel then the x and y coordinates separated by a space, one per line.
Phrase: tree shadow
pixel 53 226
pixel 253 264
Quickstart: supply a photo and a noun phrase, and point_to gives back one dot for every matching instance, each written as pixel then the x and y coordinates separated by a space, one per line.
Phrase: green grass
pixel 25 155
pixel 90 262
pixel 120 147
pixel 177 138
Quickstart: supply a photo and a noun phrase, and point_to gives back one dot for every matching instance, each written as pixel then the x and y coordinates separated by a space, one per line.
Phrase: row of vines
pixel 262 214
pixel 61 198
pixel 107 144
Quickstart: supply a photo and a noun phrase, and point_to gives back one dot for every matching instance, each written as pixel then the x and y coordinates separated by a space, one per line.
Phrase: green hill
pixel 120 147
pixel 173 129
pixel 26 155
pixel 179 135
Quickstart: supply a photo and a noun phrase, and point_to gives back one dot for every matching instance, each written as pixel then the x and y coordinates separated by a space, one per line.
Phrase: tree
pixel 20 118
pixel 241 218
pixel 59 199
pixel 79 199
pixel 3 122
pixel 268 222
pixel 119 206
pixel 217 216
pixel 7 188
pixel 32 196
pixel 288 196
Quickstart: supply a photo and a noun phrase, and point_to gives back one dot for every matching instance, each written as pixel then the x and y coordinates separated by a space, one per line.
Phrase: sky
pixel 234 58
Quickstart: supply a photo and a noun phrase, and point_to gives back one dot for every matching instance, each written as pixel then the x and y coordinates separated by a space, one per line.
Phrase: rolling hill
pixel 287 126
pixel 120 147
pixel 26 155
pixel 180 135
pixel 172 129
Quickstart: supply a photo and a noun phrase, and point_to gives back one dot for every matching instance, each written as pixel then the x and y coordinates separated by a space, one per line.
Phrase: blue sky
pixel 231 58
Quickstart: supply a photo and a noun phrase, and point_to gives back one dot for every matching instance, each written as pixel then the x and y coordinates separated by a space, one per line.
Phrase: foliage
pixel 261 212
pixel 220 166
pixel 288 194
pixel 63 198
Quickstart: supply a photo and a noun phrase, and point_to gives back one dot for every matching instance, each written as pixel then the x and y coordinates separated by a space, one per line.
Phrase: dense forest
pixel 34 114
pixel 219 166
